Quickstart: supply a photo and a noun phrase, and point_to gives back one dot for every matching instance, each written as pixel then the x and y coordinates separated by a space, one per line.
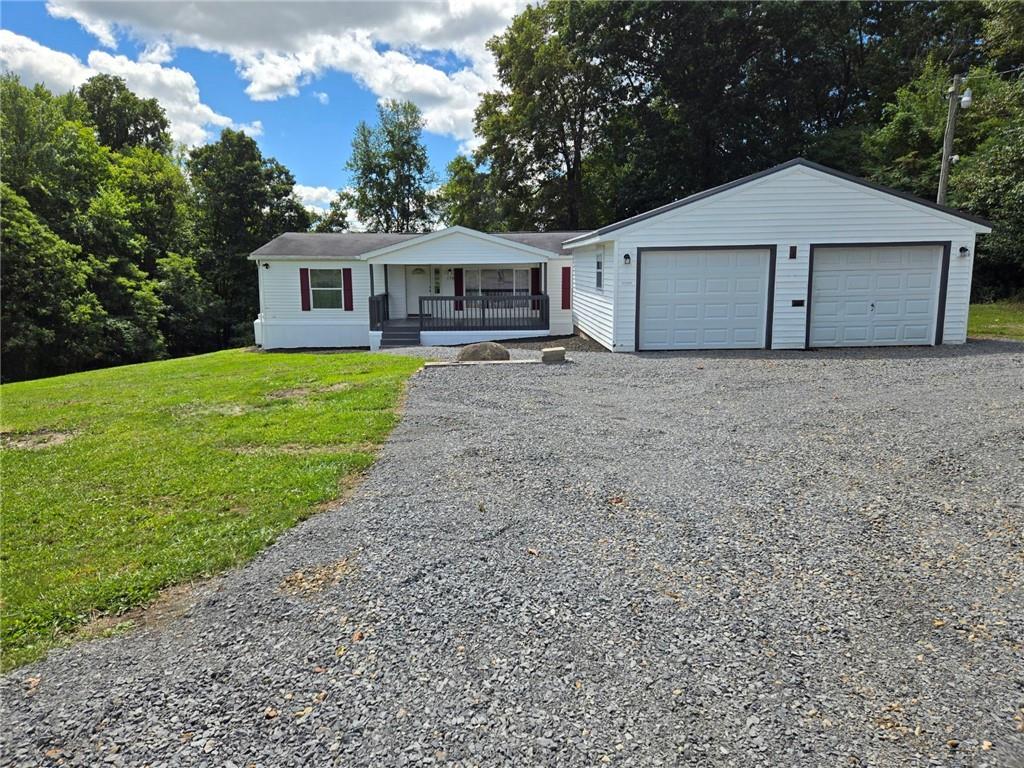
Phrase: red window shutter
pixel 566 287
pixel 460 287
pixel 304 288
pixel 346 284
pixel 535 285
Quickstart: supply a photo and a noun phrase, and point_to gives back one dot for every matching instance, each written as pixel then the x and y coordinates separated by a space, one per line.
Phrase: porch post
pixel 371 280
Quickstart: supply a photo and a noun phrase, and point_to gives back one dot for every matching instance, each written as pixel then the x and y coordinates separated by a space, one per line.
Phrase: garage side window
pixel 325 287
pixel 599 273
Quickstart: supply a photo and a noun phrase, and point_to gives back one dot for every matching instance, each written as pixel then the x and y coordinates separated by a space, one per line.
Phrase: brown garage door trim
pixel 940 319
pixel 770 311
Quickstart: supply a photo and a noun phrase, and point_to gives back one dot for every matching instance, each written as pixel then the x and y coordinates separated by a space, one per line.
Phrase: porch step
pixel 400 337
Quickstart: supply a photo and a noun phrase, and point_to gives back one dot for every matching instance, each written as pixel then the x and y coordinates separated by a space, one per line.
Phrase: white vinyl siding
pixel 797 206
pixel 593 308
pixel 285 324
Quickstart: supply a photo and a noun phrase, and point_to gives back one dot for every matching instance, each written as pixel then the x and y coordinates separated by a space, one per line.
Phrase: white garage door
pixel 714 299
pixel 866 296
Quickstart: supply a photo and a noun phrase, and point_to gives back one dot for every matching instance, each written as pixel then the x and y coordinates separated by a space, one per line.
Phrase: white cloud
pixel 318 199
pixel 280 47
pixel 157 52
pixel 322 97
pixel 192 121
pixel 36 63
pixel 100 29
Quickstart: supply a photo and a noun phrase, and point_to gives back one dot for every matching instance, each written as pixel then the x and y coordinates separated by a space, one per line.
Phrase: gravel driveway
pixel 805 559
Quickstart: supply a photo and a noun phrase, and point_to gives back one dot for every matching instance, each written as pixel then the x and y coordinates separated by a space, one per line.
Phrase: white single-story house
pixel 795 257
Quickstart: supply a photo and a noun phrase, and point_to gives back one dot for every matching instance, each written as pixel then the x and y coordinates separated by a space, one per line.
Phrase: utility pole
pixel 947 139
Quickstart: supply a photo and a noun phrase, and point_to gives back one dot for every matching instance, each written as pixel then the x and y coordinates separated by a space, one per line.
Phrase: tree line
pixel 119 247
pixel 607 110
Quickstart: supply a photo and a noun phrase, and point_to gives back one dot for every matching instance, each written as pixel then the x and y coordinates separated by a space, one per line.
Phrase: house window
pixel 497 282
pixel 599 273
pixel 325 288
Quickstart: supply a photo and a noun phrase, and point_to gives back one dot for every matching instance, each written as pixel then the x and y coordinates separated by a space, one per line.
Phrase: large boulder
pixel 484 350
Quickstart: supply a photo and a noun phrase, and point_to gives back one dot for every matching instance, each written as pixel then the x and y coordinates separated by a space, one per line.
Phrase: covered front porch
pixel 457 286
pixel 473 303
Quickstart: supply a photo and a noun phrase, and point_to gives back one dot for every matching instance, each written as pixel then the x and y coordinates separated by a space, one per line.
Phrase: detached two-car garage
pixel 799 256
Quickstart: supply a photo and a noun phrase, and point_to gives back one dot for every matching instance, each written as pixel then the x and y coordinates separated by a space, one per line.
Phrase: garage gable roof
pixel 799 161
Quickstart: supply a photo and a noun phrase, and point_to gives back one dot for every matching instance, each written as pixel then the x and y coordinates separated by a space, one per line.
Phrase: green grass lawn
pixel 1004 319
pixel 170 471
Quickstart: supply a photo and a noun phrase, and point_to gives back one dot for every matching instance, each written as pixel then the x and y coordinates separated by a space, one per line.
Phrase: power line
pixel 994 74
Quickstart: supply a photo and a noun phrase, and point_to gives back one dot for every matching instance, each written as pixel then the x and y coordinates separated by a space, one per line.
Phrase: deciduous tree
pixel 391 172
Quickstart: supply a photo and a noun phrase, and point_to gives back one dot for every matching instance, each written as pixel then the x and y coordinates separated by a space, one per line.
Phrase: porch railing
pixel 378 311
pixel 484 313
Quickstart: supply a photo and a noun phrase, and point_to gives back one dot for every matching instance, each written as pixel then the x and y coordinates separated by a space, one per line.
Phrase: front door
pixel 417 283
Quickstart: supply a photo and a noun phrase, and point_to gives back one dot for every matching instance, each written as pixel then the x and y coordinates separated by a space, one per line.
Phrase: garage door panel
pixel 886 333
pixel 919 259
pixel 888 308
pixel 829 284
pixel 748 259
pixel 747 311
pixel 874 295
pixel 919 307
pixel 920 280
pixel 857 282
pixel 828 309
pixel 746 336
pixel 854 333
pixel 716 311
pixel 717 298
pixel 918 334
pixel 893 282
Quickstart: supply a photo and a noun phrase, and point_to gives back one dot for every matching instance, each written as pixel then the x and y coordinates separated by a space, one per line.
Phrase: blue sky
pixel 301 92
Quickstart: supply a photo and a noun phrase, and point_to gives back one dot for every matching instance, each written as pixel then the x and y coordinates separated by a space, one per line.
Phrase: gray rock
pixel 484 350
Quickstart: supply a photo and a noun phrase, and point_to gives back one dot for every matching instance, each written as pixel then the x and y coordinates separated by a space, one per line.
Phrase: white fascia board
pixel 541 254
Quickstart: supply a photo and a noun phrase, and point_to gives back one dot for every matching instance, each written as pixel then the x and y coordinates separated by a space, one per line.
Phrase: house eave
pixel 389 254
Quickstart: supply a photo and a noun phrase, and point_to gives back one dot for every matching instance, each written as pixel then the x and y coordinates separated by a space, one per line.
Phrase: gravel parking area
pixel 763 559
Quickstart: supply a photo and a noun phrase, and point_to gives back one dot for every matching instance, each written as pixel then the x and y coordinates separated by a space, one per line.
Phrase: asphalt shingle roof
pixel 351 245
